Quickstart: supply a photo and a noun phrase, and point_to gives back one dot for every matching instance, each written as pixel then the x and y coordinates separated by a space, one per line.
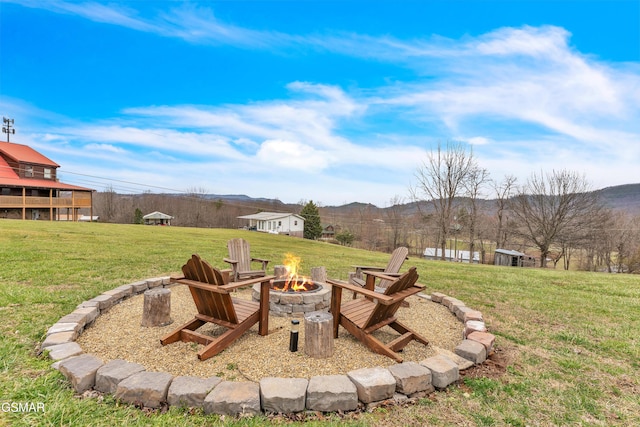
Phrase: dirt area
pixel 117 334
pixel 494 367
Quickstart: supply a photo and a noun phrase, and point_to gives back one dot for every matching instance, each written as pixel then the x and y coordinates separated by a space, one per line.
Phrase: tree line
pixel 554 214
pixel 454 203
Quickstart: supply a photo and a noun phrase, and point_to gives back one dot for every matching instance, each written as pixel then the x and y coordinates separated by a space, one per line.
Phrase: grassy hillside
pixel 567 352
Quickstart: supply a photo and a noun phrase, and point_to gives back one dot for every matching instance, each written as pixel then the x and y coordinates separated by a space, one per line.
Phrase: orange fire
pixel 293 280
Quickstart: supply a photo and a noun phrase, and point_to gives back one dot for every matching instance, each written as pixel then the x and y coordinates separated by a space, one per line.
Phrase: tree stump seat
pixel 318 334
pixel 157 308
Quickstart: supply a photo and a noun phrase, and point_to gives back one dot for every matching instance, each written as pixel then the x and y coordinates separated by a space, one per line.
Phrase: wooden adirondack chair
pixel 240 260
pixel 363 316
pixel 398 256
pixel 215 305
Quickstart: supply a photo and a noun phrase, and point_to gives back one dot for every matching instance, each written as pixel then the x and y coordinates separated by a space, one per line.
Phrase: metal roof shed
pixel 509 258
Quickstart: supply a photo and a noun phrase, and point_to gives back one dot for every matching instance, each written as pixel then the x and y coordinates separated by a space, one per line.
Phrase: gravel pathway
pixel 117 334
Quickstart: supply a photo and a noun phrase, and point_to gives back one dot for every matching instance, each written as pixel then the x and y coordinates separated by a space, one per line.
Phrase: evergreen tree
pixel 138 217
pixel 345 238
pixel 312 226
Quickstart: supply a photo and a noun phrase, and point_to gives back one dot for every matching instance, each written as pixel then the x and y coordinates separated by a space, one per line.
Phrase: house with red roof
pixel 29 188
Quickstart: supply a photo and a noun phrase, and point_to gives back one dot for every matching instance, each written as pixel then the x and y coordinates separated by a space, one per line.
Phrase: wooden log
pixel 157 308
pixel 318 334
pixel 319 274
pixel 279 271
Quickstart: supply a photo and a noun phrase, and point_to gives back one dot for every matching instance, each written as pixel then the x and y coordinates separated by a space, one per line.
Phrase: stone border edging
pixel 362 388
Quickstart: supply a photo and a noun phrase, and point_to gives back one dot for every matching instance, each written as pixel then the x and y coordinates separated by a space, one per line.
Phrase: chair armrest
pixel 175 279
pixel 230 261
pixel 380 275
pixel 400 296
pixel 354 288
pixel 368 267
pixel 247 282
pixel 382 298
pixel 361 268
pixel 202 285
pixel 264 262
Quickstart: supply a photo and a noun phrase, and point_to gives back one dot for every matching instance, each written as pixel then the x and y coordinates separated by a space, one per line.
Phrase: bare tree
pixel 109 201
pixel 623 243
pixel 485 235
pixel 441 180
pixel 197 208
pixel 633 258
pixel 420 235
pixel 503 190
pixel 474 185
pixel 598 248
pixel 396 221
pixel 370 228
pixel 579 237
pixel 552 206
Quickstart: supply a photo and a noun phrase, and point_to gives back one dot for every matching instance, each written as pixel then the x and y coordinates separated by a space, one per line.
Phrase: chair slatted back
pixel 213 304
pixel 382 312
pixel 240 250
pixel 398 256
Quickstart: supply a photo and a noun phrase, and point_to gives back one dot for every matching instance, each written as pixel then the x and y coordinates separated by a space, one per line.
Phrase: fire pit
pixel 291 303
pixel 292 294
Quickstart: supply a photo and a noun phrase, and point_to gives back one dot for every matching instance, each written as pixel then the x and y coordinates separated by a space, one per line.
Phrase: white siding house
pixel 276 223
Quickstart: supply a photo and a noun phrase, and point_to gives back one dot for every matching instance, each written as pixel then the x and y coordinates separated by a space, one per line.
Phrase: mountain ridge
pixel 625 197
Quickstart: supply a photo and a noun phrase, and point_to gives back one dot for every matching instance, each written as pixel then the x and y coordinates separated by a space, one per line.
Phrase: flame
pixel 293 281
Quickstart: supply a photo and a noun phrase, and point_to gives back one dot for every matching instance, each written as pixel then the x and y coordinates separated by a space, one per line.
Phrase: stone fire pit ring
pixel 358 388
pixel 291 304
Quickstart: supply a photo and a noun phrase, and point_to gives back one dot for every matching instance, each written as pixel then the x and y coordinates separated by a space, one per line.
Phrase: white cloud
pixel 105 147
pixel 186 21
pixel 476 140
pixel 291 155
pixel 529 41
pixel 199 25
pixel 245 142
pixel 114 14
pixel 310 120
pixel 529 76
pixel 169 140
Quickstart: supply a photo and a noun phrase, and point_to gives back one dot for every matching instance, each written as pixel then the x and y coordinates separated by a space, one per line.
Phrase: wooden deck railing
pixel 79 200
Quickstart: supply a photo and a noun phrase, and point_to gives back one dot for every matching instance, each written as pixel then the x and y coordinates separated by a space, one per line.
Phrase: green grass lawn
pixel 567 342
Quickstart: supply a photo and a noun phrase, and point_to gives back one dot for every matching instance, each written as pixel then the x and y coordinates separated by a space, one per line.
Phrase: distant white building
pixel 276 223
pixel 451 255
pixel 157 218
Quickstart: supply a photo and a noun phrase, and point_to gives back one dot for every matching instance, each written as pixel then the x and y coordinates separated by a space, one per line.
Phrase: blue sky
pixel 331 101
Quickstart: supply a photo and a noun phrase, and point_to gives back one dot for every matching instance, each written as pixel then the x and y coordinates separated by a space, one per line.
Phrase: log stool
pixel 318 334
pixel 319 274
pixel 157 307
pixel 279 271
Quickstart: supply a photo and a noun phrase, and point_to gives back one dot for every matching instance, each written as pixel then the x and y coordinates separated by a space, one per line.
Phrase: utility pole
pixel 6 128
